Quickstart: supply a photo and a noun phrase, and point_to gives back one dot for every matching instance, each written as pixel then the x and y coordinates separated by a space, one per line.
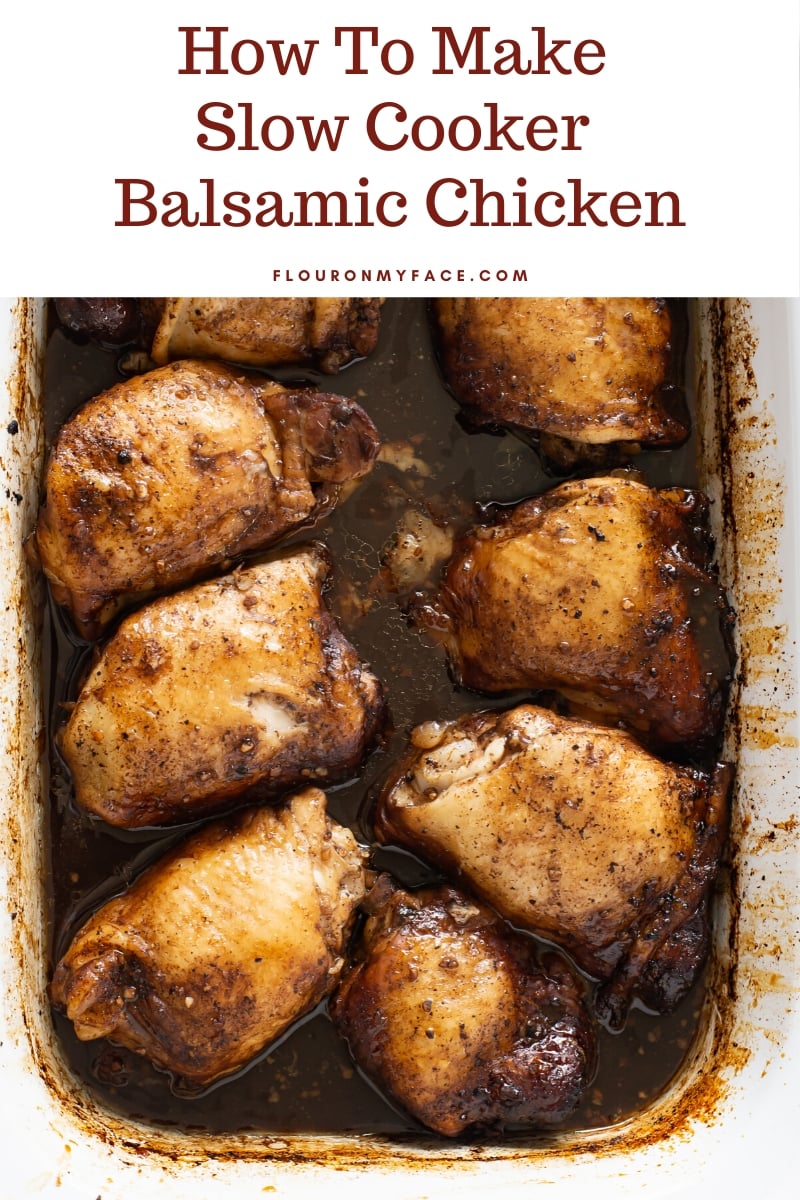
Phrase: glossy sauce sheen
pixel 307 1083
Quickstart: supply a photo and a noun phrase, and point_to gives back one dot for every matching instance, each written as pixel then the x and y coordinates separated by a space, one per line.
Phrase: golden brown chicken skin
pixel 585 375
pixel 450 1013
pixel 573 832
pixel 244 684
pixel 268 331
pixel 216 949
pixel 602 589
pixel 174 472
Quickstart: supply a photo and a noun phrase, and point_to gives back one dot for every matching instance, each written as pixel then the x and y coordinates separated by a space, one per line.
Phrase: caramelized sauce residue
pixel 307 1083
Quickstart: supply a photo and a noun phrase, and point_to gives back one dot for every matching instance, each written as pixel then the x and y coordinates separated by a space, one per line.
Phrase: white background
pixel 696 97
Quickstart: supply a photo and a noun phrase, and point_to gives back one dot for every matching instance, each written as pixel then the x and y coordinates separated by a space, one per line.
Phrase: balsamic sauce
pixel 306 1082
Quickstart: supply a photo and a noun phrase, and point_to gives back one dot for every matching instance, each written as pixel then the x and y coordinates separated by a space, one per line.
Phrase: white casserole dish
pixel 729 1120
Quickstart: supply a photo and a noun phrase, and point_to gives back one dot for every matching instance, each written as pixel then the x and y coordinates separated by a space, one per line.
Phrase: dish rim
pixel 739 1074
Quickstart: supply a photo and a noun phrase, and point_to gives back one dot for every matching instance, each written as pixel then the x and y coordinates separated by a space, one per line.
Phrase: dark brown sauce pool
pixel 307 1083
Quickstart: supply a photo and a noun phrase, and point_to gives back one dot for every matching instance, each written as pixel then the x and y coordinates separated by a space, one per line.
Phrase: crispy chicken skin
pixel 173 472
pixel 582 374
pixel 264 332
pixel 573 832
pixel 450 1012
pixel 216 949
pixel 602 589
pixel 242 684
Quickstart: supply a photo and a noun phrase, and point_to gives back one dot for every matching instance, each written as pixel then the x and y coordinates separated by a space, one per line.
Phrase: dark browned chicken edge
pixel 699 1094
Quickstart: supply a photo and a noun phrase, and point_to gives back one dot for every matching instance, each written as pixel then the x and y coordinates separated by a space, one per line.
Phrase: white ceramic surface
pixel 728 1127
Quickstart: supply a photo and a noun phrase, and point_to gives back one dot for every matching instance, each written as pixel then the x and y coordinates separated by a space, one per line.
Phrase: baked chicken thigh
pixel 265 332
pixel 259 331
pixel 176 471
pixel 449 1012
pixel 602 589
pixel 216 949
pixel 587 377
pixel 575 833
pixel 244 684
